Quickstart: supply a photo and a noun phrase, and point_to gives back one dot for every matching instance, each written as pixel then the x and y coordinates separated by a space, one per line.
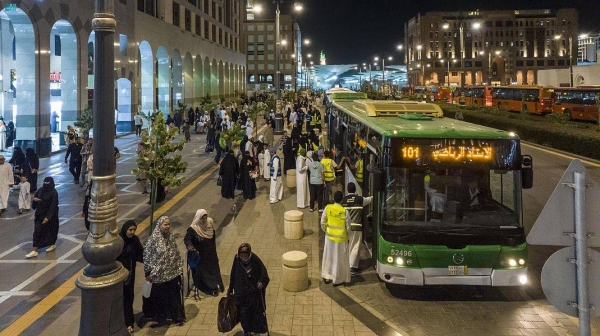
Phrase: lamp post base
pixel 102 304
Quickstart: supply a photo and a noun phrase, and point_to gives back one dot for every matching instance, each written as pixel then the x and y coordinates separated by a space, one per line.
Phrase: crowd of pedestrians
pixel 255 158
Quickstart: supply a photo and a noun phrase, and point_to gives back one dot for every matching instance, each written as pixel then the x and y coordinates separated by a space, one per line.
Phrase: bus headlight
pixel 523 279
pixel 512 262
pixel 522 262
pixel 390 259
pixel 399 261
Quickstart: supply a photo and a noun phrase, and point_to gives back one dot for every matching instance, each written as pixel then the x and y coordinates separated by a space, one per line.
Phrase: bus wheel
pixel 568 114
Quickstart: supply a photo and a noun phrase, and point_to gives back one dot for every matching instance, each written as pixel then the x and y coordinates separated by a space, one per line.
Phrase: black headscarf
pixel 123 232
pixel 245 248
pixel 47 187
pixel 30 152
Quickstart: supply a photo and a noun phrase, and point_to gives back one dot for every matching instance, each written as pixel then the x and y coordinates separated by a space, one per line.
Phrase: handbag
pixel 227 316
pixel 147 289
pixel 193 259
pixel 220 181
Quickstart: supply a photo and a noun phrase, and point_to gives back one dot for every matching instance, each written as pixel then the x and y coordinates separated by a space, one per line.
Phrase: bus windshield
pixel 425 198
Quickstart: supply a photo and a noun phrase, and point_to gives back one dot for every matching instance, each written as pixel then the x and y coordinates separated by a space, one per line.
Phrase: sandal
pixel 130 329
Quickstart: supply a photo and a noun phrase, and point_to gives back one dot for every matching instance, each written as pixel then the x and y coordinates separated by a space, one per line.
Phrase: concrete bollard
pixel 290 178
pixel 293 224
pixel 294 273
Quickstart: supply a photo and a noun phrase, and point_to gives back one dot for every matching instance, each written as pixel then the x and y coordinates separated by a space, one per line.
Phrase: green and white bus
pixel 447 207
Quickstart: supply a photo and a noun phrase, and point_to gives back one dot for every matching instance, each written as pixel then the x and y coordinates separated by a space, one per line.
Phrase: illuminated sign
pixel 450 153
pixel 495 153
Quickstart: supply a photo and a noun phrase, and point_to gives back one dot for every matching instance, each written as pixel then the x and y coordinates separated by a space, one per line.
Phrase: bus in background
pixel 435 92
pixel 479 95
pixel 577 103
pixel 447 206
pixel 528 98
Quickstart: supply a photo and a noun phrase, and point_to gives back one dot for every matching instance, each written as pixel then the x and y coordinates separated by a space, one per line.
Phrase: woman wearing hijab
pixel 248 282
pixel 17 160
pixel 200 238
pixel 30 168
pixel 228 171
pixel 163 267
pixel 45 203
pixel 132 252
pixel 248 166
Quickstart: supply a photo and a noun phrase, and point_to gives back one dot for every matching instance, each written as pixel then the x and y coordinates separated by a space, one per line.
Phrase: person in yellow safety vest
pixel 313 121
pixel 358 168
pixel 335 221
pixel 330 167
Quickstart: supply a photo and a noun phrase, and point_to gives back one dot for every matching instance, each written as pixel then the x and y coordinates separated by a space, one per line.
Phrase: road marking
pixel 17 293
pixel 587 161
pixel 14 248
pixel 37 311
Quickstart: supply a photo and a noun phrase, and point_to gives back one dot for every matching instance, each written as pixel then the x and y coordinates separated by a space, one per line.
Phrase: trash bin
pixel 278 124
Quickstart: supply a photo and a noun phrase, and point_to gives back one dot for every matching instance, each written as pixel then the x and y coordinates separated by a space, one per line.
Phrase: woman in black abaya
pixel 132 252
pixel 201 238
pixel 249 280
pixel 45 203
pixel 248 166
pixel 228 171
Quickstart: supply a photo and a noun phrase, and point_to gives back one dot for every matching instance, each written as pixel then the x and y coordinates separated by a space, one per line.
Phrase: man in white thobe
pixel 302 195
pixel 6 181
pixel 293 118
pixel 276 193
pixel 2 136
pixel 261 157
pixel 335 221
pixel 354 204
pixel 266 164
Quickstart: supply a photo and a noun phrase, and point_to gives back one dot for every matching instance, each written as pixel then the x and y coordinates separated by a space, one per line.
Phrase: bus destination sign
pixel 497 154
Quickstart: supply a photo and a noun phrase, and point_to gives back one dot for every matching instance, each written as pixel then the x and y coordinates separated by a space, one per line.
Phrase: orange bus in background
pixel 531 98
pixel 479 95
pixel 577 103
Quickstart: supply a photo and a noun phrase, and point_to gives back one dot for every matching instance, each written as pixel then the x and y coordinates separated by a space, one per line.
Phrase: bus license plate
pixel 457 270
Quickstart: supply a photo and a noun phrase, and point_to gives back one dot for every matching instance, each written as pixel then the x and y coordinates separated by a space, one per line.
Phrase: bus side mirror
pixel 378 177
pixel 527 172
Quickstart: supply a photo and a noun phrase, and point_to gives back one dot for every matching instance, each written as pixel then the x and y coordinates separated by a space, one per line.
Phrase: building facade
pixel 588 46
pixel 258 36
pixel 166 51
pixel 498 47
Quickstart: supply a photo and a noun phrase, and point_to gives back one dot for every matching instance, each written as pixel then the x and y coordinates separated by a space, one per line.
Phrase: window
pixel 214 10
pixel 220 36
pixel 188 20
pixel 175 14
pixel 220 14
pixel 123 44
pixel 250 78
pixel 251 57
pixel 205 6
pixel 250 66
pixel 519 63
pixel 198 25
pixel 250 28
pixel 540 63
pixel 206 29
pixel 499 23
pixel 261 66
pixel 214 33
pixel 270 57
pixel 270 67
pixel 270 37
pixel 250 48
pixel 250 38
pixel 550 63
pixel 478 64
pixel 261 38
pixel 561 62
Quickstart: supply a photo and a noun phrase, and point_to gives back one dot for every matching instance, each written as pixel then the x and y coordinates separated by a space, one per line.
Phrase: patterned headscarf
pixel 161 255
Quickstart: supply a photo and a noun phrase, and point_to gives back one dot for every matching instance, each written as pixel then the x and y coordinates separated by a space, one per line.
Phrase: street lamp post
pixel 569 57
pixel 101 281
pixel 277 51
pixel 461 30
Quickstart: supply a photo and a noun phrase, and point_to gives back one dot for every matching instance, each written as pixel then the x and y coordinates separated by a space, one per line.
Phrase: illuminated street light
pixel 306 42
pixel 400 47
pixel 257 8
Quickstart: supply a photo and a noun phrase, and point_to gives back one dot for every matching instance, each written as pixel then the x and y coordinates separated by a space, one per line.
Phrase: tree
pixel 254 111
pixel 271 103
pixel 206 100
pixel 85 122
pixel 160 160
pixel 230 136
pixel 289 97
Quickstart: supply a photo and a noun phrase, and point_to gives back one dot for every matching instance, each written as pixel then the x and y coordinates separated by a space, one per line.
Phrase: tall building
pixel 498 47
pixel 258 43
pixel 588 47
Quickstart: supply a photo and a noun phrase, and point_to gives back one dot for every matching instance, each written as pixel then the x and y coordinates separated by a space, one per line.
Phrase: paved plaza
pixel 39 298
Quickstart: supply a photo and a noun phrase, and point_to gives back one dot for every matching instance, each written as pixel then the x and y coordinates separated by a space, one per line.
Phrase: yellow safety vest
pixel 336 223
pixel 359 171
pixel 313 121
pixel 328 172
pixel 299 148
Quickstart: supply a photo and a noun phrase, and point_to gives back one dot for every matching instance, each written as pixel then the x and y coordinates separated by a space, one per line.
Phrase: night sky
pixel 354 31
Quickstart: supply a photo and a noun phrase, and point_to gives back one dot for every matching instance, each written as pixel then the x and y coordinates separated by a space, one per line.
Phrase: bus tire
pixel 568 114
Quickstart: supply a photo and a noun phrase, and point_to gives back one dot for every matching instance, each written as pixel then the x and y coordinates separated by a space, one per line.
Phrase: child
pixel 24 195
